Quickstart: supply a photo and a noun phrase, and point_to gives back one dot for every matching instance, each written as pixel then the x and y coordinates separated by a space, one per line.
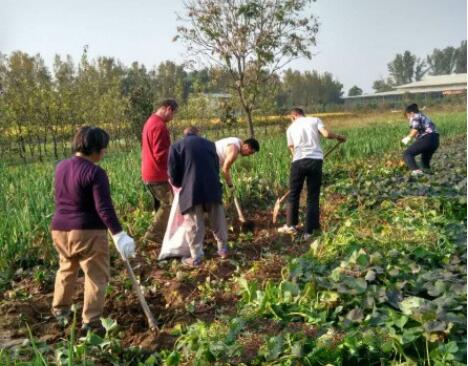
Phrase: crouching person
pixel 83 213
pixel 194 167
pixel 427 140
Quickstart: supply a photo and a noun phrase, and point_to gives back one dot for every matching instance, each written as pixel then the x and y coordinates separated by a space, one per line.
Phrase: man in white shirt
pixel 229 149
pixel 304 142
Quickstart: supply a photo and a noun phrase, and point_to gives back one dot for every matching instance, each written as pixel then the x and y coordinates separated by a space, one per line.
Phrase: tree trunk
pixel 250 123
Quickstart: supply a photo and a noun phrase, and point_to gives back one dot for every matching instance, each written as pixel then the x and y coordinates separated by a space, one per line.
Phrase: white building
pixel 433 87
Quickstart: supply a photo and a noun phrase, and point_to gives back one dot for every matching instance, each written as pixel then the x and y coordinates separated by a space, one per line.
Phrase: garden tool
pixel 280 200
pixel 141 297
pixel 246 225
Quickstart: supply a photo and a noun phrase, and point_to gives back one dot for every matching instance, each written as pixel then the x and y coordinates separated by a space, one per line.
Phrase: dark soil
pixel 175 295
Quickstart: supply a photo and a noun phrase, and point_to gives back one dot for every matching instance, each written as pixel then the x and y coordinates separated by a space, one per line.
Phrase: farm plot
pixel 384 284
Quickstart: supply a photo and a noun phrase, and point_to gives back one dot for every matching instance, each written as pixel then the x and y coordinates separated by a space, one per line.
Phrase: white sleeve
pixel 289 137
pixel 320 123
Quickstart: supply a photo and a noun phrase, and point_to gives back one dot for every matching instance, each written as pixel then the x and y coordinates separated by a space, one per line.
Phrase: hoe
pixel 280 200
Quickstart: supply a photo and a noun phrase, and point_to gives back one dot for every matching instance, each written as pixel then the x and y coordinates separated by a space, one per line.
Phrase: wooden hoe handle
pixel 141 298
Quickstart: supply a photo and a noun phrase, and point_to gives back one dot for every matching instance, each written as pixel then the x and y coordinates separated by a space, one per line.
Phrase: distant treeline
pixel 41 108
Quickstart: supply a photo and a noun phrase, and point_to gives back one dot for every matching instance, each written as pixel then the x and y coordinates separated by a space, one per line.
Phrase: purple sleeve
pixel 103 202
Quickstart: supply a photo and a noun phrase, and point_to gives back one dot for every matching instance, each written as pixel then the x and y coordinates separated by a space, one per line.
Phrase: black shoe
pixel 93 327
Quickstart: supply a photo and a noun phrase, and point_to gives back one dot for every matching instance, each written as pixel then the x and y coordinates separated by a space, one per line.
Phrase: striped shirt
pixel 422 124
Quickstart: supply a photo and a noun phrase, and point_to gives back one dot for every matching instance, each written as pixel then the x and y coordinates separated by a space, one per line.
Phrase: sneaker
pixel 223 253
pixel 417 172
pixel 286 229
pixel 93 327
pixel 191 263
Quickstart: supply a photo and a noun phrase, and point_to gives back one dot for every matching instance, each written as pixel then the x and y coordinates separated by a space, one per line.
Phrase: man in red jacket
pixel 154 155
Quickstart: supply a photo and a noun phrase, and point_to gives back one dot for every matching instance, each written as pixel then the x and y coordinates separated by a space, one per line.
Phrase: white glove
pixel 124 244
pixel 406 140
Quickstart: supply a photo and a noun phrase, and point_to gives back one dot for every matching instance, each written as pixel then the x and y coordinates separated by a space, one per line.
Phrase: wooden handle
pixel 239 211
pixel 331 149
pixel 137 289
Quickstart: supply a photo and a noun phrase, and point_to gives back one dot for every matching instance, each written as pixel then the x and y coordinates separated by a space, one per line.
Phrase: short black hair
pixel 298 110
pixel 254 145
pixel 412 108
pixel 88 140
pixel 168 103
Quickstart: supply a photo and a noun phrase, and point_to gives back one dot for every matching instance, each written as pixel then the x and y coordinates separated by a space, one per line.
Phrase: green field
pixel 385 284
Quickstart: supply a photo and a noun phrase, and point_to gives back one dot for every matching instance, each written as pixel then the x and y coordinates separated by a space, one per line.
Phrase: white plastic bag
pixel 175 242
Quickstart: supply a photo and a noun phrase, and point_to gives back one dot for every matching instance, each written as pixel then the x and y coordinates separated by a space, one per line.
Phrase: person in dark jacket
pixel 426 136
pixel 194 167
pixel 83 214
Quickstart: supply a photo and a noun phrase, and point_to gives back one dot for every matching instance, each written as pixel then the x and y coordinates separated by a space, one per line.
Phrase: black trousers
pixel 310 170
pixel 424 146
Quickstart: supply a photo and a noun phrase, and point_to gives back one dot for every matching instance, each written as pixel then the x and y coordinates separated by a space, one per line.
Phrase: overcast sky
pixel 356 40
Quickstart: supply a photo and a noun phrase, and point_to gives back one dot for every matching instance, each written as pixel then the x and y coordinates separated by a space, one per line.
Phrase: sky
pixel 356 39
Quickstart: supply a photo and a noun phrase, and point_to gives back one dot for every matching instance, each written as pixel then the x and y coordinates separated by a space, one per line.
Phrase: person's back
pixel 304 135
pixel 83 212
pixel 194 167
pixel 222 144
pixel 198 173
pixel 423 124
pixel 82 198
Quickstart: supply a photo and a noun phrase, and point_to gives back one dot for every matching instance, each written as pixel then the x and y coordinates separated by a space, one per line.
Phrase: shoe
pixel 93 327
pixel 223 253
pixel 63 317
pixel 191 263
pixel 417 172
pixel 285 229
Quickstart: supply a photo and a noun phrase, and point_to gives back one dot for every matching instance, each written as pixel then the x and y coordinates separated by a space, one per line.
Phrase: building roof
pixel 437 81
pixel 430 84
pixel 375 95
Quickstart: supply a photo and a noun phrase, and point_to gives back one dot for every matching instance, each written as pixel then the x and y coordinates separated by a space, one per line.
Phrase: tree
pixel 310 90
pixel 355 90
pixel 442 62
pixel 402 68
pixel 250 39
pixel 420 69
pixel 460 62
pixel 382 85
pixel 170 81
pixel 136 86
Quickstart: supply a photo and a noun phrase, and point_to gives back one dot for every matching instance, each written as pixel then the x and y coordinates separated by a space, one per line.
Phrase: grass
pixel 27 199
pixel 384 285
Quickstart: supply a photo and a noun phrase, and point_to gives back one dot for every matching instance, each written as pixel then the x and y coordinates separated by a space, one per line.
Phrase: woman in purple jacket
pixel 83 214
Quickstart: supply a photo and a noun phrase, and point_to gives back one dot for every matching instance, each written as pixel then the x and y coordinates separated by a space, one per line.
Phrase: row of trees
pixel 407 67
pixel 245 44
pixel 40 108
